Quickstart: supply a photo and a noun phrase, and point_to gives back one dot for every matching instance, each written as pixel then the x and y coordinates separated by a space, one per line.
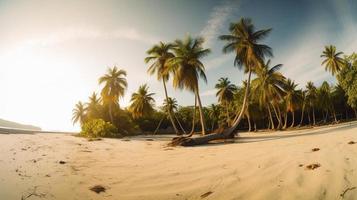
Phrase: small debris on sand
pixel 352 142
pixel 126 140
pixel 313 166
pixel 94 139
pixel 97 189
pixel 206 194
pixel 149 139
pixel 167 149
pixel 301 165
pixel 315 149
pixel 62 162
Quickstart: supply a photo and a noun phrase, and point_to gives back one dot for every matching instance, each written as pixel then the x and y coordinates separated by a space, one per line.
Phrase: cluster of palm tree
pixel 269 101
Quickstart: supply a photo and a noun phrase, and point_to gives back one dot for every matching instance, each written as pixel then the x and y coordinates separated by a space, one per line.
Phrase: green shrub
pixel 99 128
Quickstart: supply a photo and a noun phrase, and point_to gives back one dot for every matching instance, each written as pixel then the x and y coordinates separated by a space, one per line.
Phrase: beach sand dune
pixel 317 163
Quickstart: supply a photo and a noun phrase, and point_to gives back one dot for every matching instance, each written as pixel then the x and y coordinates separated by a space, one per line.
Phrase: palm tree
pixel 244 40
pixel 115 85
pixel 225 94
pixel 171 106
pixel 268 89
pixel 142 102
pixel 325 100
pixel 79 113
pixel 291 100
pixel 94 107
pixel 333 62
pixel 188 68
pixel 160 54
pixel 311 96
pixel 213 114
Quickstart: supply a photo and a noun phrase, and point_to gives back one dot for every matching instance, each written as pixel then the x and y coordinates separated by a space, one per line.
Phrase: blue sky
pixel 52 52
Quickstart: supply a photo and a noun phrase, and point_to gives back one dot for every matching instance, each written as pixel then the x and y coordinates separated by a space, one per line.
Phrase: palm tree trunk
pixel 313 116
pixel 170 114
pixel 178 121
pixel 286 120
pixel 308 115
pixel 302 114
pixel 249 125
pixel 334 114
pixel 227 114
pixel 277 116
pixel 158 126
pixel 280 116
pixel 202 117
pixel 292 123
pixel 255 126
pixel 193 117
pixel 212 127
pixel 355 111
pixel 271 118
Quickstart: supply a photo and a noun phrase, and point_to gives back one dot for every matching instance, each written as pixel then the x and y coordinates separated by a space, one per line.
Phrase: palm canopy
pixel 186 64
pixel 333 62
pixel 244 41
pixel 159 55
pixel 142 102
pixel 269 84
pixel 311 93
pixel 225 91
pixel 170 104
pixel 115 85
pixel 79 113
pixel 93 106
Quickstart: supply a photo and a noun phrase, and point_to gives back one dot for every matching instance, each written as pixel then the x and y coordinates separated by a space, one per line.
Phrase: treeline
pixel 269 101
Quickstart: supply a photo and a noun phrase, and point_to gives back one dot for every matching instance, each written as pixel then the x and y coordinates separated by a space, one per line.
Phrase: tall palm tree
pixel 333 62
pixel 291 100
pixel 94 107
pixel 142 102
pixel 79 113
pixel 311 96
pixel 188 68
pixel 325 100
pixel 159 55
pixel 115 85
pixel 225 94
pixel 268 89
pixel 244 41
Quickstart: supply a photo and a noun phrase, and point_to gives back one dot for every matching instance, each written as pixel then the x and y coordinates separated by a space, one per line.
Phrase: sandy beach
pixel 260 165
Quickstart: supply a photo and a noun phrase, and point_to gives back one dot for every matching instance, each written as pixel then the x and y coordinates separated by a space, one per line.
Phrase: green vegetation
pixel 269 101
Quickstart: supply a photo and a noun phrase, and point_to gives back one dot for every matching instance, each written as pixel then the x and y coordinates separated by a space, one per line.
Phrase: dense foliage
pixel 99 128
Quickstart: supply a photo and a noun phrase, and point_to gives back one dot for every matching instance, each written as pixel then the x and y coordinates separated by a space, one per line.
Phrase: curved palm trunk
pixel 178 121
pixel 227 114
pixel 170 114
pixel 193 118
pixel 271 118
pixel 293 119
pixel 249 124
pixel 313 116
pixel 302 114
pixel 277 116
pixel 110 113
pixel 202 118
pixel 285 120
pixel 334 115
pixel 158 126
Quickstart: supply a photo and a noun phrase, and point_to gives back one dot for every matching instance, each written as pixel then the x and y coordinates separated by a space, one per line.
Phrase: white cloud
pixel 210 92
pixel 217 19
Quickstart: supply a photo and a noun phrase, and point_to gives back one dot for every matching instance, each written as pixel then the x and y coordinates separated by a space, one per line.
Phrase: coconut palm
pixel 79 113
pixel 115 85
pixel 142 102
pixel 188 68
pixel 333 62
pixel 213 113
pixel 325 100
pixel 225 94
pixel 159 55
pixel 94 107
pixel 268 89
pixel 291 100
pixel 244 40
pixel 311 97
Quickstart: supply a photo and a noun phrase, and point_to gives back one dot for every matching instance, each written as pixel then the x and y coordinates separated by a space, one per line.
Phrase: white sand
pixel 256 166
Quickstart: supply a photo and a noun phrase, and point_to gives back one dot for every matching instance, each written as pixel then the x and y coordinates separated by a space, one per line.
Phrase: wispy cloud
pixel 216 21
pixel 210 92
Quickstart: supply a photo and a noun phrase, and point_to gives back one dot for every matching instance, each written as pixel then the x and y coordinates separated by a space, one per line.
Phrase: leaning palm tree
pixel 291 100
pixel 225 94
pixel 244 40
pixel 170 106
pixel 79 113
pixel 333 62
pixel 115 85
pixel 188 68
pixel 311 97
pixel 142 102
pixel 268 89
pixel 159 55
